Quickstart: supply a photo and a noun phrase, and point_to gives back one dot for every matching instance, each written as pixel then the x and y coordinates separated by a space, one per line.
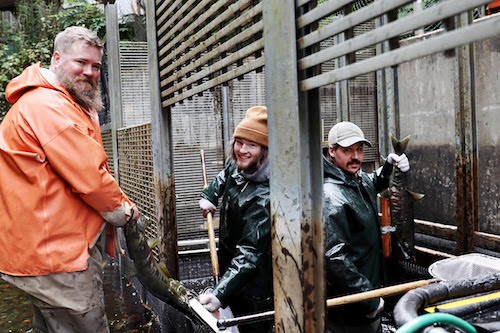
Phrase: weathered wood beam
pixel 296 181
pixel 163 175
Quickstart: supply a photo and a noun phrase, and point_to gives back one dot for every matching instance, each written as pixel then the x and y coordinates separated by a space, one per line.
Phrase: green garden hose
pixel 431 318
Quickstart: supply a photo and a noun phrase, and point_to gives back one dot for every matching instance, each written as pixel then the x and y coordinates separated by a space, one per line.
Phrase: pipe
pixel 466 309
pixel 431 318
pixel 408 305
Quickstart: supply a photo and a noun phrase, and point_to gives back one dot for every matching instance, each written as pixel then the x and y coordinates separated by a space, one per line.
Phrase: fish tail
pixel 399 146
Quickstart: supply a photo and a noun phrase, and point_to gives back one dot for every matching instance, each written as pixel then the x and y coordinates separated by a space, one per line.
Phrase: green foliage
pixel 31 38
pixel 83 14
pixel 133 27
pixel 408 9
pixel 27 42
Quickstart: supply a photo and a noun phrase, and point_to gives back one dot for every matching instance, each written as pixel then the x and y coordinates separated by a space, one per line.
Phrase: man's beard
pixel 87 98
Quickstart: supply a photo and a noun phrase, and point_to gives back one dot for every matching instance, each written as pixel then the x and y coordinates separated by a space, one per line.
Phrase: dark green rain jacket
pixel 354 258
pixel 244 234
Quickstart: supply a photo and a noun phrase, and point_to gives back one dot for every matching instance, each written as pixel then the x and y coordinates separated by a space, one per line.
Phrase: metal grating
pixel 400 26
pixel 108 148
pixel 328 93
pixel 134 80
pixel 196 124
pixel 363 97
pixel 362 94
pixel 136 172
pixel 248 91
pixel 202 44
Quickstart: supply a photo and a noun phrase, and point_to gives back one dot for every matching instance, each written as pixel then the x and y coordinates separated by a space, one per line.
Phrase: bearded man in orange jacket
pixel 58 200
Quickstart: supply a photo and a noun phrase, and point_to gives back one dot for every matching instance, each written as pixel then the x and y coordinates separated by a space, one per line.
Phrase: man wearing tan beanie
pixel 245 227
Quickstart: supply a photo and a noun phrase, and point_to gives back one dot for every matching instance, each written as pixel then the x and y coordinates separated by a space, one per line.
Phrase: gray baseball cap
pixel 346 134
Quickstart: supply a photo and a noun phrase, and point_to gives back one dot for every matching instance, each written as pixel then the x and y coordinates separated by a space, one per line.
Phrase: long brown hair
pixel 264 152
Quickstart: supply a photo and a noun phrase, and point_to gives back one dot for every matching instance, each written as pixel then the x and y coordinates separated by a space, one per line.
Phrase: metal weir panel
pixel 134 80
pixel 136 172
pixel 202 44
pixel 397 26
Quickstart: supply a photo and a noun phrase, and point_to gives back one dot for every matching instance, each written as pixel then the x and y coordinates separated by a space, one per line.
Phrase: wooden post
pixel 115 91
pixel 163 175
pixel 296 179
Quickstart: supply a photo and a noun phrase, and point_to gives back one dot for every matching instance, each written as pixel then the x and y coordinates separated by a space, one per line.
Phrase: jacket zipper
pixel 362 197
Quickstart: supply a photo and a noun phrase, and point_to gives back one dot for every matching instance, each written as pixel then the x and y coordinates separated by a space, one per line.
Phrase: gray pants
pixel 67 302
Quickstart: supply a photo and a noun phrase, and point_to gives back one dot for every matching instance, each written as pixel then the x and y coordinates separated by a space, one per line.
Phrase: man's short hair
pixel 65 39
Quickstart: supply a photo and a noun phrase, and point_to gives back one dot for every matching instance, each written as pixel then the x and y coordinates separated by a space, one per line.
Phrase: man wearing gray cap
pixel 354 257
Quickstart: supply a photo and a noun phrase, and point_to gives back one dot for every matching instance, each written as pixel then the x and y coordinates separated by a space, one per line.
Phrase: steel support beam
pixel 115 95
pixel 296 180
pixel 466 143
pixel 387 94
pixel 163 174
pixel 342 87
pixel 226 106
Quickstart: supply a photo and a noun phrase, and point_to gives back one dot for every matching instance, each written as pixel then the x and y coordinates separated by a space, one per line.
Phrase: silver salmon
pixel 154 277
pixel 401 205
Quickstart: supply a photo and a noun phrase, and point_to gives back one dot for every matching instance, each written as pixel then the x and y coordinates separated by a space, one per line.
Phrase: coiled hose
pixel 410 303
pixel 431 318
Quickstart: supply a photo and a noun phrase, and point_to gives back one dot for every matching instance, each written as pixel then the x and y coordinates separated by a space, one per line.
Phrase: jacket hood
pixel 338 175
pixel 30 78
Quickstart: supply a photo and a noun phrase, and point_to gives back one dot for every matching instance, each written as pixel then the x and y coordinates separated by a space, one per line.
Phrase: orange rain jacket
pixel 54 179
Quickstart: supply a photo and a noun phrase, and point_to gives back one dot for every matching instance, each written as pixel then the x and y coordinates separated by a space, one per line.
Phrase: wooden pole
pixel 386 222
pixel 348 299
pixel 376 293
pixel 210 226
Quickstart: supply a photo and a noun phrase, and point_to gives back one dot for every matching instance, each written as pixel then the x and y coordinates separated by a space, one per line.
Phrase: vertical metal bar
pixel 342 87
pixel 383 135
pixel 163 175
pixel 382 123
pixel 296 180
pixel 115 94
pixel 387 96
pixel 225 118
pixel 391 74
pixel 313 236
pixel 345 95
pixel 393 97
pixel 466 146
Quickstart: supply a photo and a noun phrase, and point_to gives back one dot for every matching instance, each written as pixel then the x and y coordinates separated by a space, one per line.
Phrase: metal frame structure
pixel 197 45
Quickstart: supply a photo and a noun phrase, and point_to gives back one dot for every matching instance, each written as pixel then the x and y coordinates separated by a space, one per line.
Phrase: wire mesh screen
pixel 202 44
pixel 134 80
pixel 108 148
pixel 361 93
pixel 136 172
pixel 328 92
pixel 248 91
pixel 363 97
pixel 196 125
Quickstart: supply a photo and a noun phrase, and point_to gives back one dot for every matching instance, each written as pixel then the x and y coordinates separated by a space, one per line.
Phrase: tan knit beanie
pixel 254 126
